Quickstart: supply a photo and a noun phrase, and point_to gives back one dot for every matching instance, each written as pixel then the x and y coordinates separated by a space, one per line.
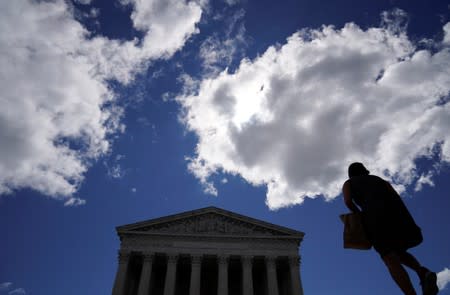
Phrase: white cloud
pixel 395 20
pixel 115 171
pixel 218 50
pixel 94 12
pixel 293 118
pixel 215 52
pixel 443 278
pixel 55 118
pixel 167 23
pixel 133 190
pixel 424 179
pixel 447 34
pixel 17 291
pixel 5 286
pixel 74 202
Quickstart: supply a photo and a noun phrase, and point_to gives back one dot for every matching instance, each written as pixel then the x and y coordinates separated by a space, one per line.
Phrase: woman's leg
pixel 411 262
pixel 427 277
pixel 398 273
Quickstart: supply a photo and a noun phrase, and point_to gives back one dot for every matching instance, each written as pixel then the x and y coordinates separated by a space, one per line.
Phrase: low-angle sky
pixel 117 111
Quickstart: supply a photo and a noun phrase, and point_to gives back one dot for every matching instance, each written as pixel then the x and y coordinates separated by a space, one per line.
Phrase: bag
pixel 354 234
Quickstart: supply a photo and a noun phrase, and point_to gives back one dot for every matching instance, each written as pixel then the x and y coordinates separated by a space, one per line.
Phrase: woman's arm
pixel 348 198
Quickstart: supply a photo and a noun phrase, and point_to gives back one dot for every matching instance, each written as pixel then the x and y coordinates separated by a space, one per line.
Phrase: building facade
pixel 208 251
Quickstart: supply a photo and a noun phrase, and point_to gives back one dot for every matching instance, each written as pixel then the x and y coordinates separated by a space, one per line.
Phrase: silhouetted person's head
pixel 357 169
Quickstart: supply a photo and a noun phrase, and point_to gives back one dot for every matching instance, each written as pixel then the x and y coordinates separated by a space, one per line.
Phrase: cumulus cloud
pixel 58 111
pixel 293 118
pixel 443 278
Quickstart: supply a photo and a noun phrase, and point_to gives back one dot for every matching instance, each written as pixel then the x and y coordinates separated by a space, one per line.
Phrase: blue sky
pixel 114 112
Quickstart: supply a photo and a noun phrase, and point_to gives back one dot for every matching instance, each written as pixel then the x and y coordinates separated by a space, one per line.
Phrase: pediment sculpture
pixel 209 223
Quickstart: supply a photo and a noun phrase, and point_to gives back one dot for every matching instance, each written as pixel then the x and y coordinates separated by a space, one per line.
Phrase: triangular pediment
pixel 209 221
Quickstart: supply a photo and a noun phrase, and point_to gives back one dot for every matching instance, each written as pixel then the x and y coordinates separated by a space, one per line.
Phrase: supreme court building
pixel 208 251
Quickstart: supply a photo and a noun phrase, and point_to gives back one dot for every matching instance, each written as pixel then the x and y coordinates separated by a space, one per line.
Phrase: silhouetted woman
pixel 388 225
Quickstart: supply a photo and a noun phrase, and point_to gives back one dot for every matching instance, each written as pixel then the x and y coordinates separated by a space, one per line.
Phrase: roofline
pixel 127 227
pixel 290 237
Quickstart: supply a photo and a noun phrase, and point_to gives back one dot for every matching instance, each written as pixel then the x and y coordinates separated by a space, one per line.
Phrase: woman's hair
pixel 357 169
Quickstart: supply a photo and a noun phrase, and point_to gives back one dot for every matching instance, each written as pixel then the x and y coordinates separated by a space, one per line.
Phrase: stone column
pixel 294 268
pixel 171 273
pixel 121 275
pixel 247 275
pixel 271 269
pixel 196 266
pixel 222 285
pixel 146 274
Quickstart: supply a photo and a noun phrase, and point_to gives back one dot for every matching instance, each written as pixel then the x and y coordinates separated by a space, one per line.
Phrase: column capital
pixel 223 259
pixel 148 256
pixel 294 260
pixel 172 258
pixel 270 258
pixel 123 256
pixel 247 260
pixel 196 259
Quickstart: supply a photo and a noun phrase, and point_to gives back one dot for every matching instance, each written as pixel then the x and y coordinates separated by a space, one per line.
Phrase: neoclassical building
pixel 208 251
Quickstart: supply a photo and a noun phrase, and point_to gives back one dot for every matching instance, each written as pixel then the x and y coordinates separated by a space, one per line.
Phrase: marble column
pixel 196 266
pixel 171 273
pixel 247 275
pixel 146 274
pixel 271 269
pixel 222 285
pixel 121 275
pixel 294 269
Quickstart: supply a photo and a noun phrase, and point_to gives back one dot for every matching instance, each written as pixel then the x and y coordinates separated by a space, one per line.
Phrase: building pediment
pixel 209 221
